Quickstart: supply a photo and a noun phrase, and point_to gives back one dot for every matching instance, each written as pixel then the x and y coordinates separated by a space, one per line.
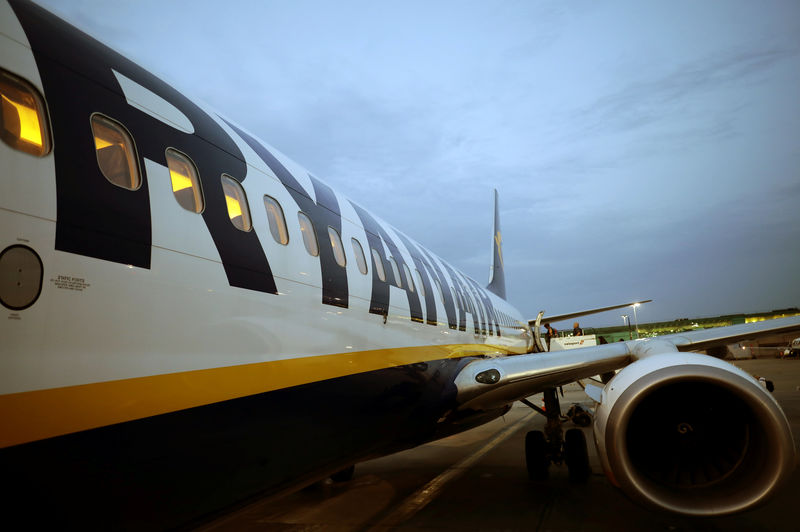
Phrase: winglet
pixel 497 277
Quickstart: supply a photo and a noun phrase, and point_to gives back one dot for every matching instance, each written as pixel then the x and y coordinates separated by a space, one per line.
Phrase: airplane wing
pixel 491 383
pixel 555 318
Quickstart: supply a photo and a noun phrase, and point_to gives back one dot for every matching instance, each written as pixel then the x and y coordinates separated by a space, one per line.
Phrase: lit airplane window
pixel 236 201
pixel 23 120
pixel 185 181
pixel 116 155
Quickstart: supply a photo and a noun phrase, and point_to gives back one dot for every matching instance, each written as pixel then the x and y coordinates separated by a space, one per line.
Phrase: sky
pixel 641 150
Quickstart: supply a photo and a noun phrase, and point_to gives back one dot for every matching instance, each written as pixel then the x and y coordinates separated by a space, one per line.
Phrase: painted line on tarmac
pixel 422 497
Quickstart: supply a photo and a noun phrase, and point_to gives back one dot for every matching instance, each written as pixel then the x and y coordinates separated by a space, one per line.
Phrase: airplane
pixel 192 319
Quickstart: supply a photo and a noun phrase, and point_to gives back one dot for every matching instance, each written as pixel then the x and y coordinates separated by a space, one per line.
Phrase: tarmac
pixel 477 480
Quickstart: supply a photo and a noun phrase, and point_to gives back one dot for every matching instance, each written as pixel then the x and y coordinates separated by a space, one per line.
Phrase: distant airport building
pixel 616 333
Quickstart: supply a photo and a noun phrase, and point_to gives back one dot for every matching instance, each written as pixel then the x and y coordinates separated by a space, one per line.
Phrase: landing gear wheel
pixel 536 455
pixel 576 455
pixel 344 475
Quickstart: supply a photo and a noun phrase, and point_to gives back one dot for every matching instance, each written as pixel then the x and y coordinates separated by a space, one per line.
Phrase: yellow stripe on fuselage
pixel 40 414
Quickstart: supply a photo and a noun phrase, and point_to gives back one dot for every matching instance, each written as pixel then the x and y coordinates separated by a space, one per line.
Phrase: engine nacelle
pixel 692 434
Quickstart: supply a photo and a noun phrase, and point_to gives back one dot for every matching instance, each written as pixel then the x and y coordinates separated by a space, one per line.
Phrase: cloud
pixel 642 103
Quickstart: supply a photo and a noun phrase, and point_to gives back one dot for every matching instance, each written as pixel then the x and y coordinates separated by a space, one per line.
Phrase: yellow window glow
pixel 235 199
pixel 30 130
pixel 22 116
pixel 116 154
pixel 234 208
pixel 185 181
pixel 100 143
pixel 179 181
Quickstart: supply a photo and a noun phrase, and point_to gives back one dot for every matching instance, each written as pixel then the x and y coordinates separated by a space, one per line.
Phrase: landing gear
pixel 552 446
pixel 577 456
pixel 536 456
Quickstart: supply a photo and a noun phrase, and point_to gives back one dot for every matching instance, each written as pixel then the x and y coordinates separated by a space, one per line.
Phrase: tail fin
pixel 497 276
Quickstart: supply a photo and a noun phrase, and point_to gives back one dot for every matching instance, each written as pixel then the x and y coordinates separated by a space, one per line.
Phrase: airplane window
pixel 397 281
pixel 309 237
pixel 358 251
pixel 23 121
pixel 277 223
pixel 420 284
pixel 336 244
pixel 236 200
pixel 409 280
pixel 116 155
pixel 376 258
pixel 185 181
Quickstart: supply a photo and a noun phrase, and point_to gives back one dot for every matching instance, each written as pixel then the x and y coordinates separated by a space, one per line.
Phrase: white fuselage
pixel 176 334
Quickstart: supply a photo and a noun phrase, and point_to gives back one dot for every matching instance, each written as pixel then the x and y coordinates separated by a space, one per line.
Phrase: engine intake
pixel 693 435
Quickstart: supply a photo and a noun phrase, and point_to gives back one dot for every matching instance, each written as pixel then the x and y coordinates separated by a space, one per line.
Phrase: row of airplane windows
pixel 118 162
pixel 116 157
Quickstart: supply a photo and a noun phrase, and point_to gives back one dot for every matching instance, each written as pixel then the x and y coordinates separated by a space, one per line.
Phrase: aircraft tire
pixel 344 475
pixel 576 455
pixel 536 455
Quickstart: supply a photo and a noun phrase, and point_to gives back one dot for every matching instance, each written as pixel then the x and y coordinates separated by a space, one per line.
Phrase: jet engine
pixel 692 434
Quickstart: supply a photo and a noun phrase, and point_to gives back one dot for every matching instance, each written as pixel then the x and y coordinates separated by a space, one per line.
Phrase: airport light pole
pixel 627 320
pixel 635 319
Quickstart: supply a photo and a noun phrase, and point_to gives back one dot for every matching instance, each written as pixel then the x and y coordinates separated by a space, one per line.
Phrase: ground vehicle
pixel 793 349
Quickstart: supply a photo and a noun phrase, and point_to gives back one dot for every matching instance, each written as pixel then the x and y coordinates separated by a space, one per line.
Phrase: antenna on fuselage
pixel 497 276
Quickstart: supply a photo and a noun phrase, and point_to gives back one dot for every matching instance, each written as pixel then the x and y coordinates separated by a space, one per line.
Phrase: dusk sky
pixel 640 149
